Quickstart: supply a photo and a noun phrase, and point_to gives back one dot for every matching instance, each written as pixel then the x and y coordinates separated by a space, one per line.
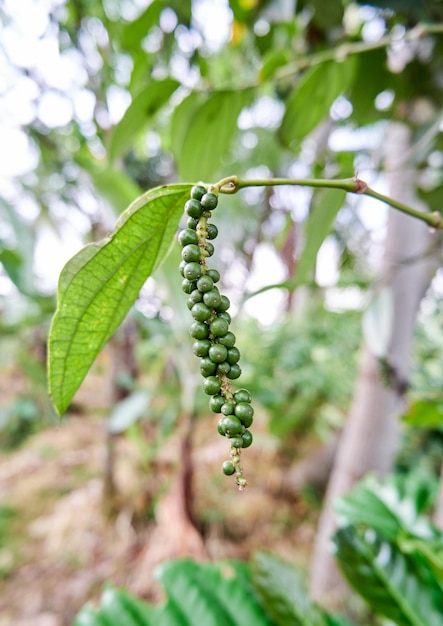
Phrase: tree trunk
pixel 371 433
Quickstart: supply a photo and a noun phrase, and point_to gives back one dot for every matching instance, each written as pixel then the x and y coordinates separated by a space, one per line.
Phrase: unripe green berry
pixel 209 248
pixel 209 201
pixel 181 267
pixel 224 315
pixel 193 208
pixel 244 412
pixel 201 312
pixel 227 340
pixel 192 223
pixel 192 271
pixel 231 425
pixel 205 283
pixel 199 330
pixel 228 408
pixel 201 347
pixel 187 236
pixel 225 304
pixel 236 442
pixel 214 274
pixel 191 253
pixel 242 395
pixel 188 286
pixel 247 438
pixel 211 386
pixel 216 403
pixel 219 327
pixel 234 372
pixel 207 367
pixel 218 353
pixel 197 192
pixel 233 355
pixel 223 368
pixel 212 298
pixel 195 296
pixel 212 231
pixel 228 468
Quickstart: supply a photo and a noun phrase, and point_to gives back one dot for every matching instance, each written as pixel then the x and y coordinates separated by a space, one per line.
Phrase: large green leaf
pixel 312 98
pixel 98 286
pixel 206 130
pixel 283 592
pixel 209 594
pixel 144 106
pixel 395 585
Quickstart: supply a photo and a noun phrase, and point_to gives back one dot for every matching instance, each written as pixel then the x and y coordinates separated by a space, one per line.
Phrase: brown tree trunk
pixel 371 433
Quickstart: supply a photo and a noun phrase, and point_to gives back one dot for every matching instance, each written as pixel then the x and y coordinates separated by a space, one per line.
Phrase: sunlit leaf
pixel 144 106
pixel 425 413
pixel 98 286
pixel 207 132
pixel 312 98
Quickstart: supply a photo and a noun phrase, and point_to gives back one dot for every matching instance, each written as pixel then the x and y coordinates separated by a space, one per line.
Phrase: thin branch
pixel 232 184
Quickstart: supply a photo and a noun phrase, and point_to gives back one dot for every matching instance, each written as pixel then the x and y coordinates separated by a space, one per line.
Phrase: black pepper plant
pixel 98 286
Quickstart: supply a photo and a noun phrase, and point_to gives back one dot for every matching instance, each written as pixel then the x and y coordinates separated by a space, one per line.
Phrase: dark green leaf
pixel 100 284
pixel 395 585
pixel 144 106
pixel 207 132
pixel 363 91
pixel 212 594
pixel 312 98
pixel 283 592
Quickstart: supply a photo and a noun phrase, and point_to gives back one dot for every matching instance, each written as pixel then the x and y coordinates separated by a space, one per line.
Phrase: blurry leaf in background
pixel 203 132
pixel 425 413
pixel 128 411
pixel 99 285
pixel 141 110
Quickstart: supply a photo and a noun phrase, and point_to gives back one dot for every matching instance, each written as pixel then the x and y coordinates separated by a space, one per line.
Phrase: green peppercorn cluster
pixel 214 343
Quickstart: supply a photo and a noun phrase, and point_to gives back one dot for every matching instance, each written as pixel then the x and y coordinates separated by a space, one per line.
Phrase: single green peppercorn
pixel 212 231
pixel 199 330
pixel 211 386
pixel 209 201
pixel 228 468
pixel 244 412
pixel 212 298
pixel 214 274
pixel 247 438
pixel 227 340
pixel 201 347
pixel 218 353
pixel 207 366
pixel 201 312
pixel 223 368
pixel 197 192
pixel 209 248
pixel 228 408
pixel 191 253
pixel 192 223
pixel 187 236
pixel 205 283
pixel 193 208
pixel 216 403
pixel 233 355
pixel 236 442
pixel 192 271
pixel 188 286
pixel 231 425
pixel 219 327
pixel 224 315
pixel 195 295
pixel 181 267
pixel 242 395
pixel 224 304
pixel 234 372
